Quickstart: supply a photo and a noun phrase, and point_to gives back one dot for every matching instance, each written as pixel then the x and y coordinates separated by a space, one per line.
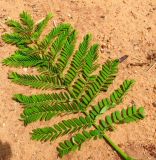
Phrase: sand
pixel 120 27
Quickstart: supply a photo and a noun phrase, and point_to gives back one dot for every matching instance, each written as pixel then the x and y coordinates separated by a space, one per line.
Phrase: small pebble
pixel 25 69
pixel 148 28
pixel 102 17
pixel 11 109
pixel 103 46
pixel 136 48
pixel 69 15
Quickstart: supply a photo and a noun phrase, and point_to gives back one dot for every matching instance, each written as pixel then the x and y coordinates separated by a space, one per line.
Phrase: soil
pixel 121 27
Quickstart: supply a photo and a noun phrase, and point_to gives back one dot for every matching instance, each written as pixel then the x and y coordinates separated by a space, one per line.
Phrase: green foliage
pixel 20 58
pixel 77 61
pixel 62 128
pixel 76 141
pixel 114 99
pixel 40 27
pixel 38 81
pixel 117 117
pixel 74 74
pixel 90 66
pixel 40 112
pixel 42 99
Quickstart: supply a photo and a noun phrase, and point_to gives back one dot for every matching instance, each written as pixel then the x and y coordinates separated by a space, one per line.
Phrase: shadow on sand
pixel 5 151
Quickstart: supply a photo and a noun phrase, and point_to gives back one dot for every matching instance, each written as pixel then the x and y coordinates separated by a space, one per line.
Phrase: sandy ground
pixel 121 27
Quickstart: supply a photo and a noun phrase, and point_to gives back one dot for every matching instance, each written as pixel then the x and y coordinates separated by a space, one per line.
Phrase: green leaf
pixel 59 67
pixel 115 98
pixel 42 99
pixel 90 66
pixel 40 26
pixel 20 59
pixel 124 116
pixel 76 142
pixel 76 62
pixel 60 129
pixel 27 20
pixel 16 39
pixel 67 51
pixel 38 81
pixel 17 27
